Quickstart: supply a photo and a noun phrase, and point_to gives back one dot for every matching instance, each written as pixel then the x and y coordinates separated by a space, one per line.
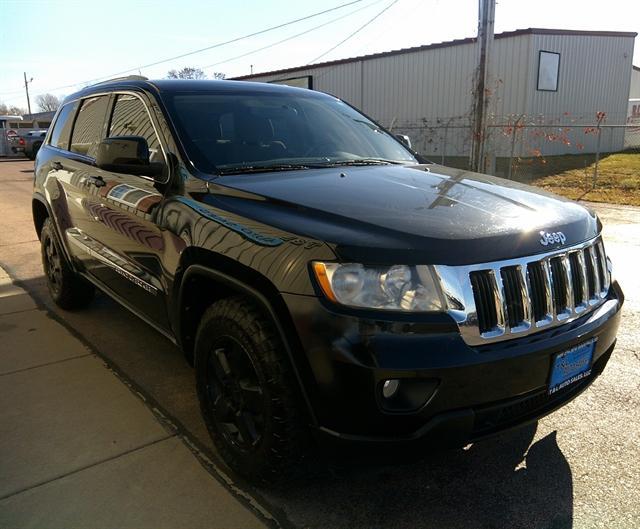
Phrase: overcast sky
pixel 63 44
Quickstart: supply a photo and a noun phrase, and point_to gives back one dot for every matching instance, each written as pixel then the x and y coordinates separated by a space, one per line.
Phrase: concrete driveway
pixel 579 467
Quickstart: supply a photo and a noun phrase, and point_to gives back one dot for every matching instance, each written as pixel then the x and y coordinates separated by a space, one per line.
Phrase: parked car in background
pixel 23 134
pixel 8 131
pixel 29 144
pixel 322 277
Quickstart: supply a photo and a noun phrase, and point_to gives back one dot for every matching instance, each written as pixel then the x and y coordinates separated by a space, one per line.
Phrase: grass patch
pixel 571 175
pixel 618 179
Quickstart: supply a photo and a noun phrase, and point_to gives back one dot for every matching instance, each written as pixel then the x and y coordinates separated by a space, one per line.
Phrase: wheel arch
pixel 205 277
pixel 40 212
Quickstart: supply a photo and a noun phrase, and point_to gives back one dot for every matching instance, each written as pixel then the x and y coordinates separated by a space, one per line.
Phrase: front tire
pixel 68 290
pixel 248 393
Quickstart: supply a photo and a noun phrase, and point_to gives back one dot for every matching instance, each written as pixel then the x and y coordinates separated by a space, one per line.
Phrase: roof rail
pixel 125 78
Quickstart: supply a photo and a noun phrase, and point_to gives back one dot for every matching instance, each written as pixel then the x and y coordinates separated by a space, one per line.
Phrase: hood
pixel 422 213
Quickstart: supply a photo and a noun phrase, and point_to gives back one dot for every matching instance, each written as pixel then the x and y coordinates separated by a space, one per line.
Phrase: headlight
pixel 398 287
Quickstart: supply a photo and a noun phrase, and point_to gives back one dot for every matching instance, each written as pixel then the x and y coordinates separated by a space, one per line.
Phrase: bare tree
pixel 47 102
pixel 188 72
pixel 12 110
pixel 219 76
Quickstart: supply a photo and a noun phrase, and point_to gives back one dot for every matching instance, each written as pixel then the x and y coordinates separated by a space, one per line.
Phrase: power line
pixel 293 36
pixel 327 70
pixel 217 45
pixel 355 32
pixel 231 41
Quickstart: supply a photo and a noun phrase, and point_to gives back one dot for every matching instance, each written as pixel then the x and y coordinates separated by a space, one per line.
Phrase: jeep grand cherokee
pixel 321 276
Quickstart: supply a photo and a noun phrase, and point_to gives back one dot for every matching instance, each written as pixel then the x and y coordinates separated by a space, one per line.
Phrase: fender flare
pixel 262 300
pixel 40 198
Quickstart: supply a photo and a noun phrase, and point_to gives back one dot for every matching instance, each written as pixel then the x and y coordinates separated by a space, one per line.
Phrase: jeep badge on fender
pixel 301 257
pixel 552 238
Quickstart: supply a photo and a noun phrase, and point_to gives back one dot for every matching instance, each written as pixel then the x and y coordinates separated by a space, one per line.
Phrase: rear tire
pixel 248 393
pixel 68 290
pixel 34 151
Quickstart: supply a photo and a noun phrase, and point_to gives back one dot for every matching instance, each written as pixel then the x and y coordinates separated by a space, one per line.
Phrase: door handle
pixel 57 166
pixel 97 181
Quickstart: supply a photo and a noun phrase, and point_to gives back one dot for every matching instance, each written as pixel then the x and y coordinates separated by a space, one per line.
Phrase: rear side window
pixel 62 129
pixel 130 118
pixel 87 131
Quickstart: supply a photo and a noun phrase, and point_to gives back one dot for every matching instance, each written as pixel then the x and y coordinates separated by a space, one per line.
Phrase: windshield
pixel 231 131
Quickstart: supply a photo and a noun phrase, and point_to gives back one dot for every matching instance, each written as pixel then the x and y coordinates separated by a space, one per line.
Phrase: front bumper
pixel 469 392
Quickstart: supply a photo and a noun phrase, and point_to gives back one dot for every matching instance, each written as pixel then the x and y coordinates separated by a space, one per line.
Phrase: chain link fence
pixel 524 148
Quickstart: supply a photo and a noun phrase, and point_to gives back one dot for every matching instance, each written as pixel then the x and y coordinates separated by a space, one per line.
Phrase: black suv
pixel 322 277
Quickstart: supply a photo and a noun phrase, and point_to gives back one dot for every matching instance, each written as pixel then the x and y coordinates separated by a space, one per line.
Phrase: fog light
pixel 406 394
pixel 389 388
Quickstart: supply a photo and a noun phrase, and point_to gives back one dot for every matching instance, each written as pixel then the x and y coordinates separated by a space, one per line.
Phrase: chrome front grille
pixel 507 299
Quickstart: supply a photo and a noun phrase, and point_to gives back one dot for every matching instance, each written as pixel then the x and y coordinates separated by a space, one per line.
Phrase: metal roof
pixel 457 42
pixel 40 115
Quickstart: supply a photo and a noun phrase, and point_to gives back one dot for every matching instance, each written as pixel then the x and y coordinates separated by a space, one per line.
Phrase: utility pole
pixel 486 17
pixel 26 87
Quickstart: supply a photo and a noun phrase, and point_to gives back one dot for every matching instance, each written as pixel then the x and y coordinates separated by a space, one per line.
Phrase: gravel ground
pixel 577 468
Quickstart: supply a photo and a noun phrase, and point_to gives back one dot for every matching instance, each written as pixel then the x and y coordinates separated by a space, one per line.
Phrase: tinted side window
pixel 130 118
pixel 62 129
pixel 87 131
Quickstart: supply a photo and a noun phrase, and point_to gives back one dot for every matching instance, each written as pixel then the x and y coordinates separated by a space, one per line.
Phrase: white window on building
pixel 548 71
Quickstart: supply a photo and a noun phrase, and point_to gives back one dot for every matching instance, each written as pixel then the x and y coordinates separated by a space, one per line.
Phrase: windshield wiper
pixel 246 169
pixel 364 161
pixel 242 169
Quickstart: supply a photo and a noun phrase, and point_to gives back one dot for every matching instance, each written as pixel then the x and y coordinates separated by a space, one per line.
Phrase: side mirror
pixel 127 155
pixel 404 139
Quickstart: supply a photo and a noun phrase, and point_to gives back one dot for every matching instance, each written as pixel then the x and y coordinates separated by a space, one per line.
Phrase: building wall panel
pixel 634 90
pixel 425 91
pixel 594 75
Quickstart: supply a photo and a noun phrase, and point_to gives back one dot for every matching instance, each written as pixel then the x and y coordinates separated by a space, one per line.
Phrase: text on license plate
pixel 570 366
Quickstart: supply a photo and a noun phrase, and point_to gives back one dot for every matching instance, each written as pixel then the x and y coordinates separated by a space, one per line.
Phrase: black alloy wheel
pixel 248 392
pixel 52 263
pixel 235 394
pixel 69 290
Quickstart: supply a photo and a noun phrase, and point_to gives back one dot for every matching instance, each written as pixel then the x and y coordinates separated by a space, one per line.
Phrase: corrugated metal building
pixel 634 90
pixel 553 80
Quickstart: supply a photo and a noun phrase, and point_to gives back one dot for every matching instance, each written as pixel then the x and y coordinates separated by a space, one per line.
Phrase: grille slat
pixel 517 297
pixel 537 291
pixel 525 296
pixel 559 278
pixel 568 286
pixel 602 267
pixel 591 281
pixel 513 295
pixel 485 307
pixel 548 284
pixel 576 278
pixel 596 274
pixel 582 273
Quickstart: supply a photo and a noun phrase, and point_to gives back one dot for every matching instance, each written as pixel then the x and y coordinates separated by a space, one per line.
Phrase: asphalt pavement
pixel 577 468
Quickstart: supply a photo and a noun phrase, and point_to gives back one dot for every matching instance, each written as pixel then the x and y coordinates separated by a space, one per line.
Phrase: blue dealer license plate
pixel 571 366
